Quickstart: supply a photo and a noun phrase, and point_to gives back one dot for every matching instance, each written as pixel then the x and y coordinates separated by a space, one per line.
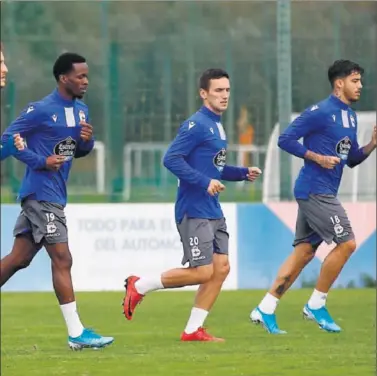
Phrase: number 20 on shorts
pixel 194 241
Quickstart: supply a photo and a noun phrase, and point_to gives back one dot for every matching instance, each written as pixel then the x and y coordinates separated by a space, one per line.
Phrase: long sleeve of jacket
pixel 356 155
pixel 7 149
pixel 84 148
pixel 175 159
pixel 28 122
pixel 302 126
pixel 233 173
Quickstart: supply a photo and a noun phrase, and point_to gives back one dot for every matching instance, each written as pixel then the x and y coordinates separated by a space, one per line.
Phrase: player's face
pixel 217 96
pixel 76 82
pixel 4 70
pixel 352 87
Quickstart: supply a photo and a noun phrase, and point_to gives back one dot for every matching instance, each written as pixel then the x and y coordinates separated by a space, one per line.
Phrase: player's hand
pixel 86 133
pixel 374 136
pixel 54 162
pixel 254 173
pixel 215 187
pixel 19 142
pixel 328 162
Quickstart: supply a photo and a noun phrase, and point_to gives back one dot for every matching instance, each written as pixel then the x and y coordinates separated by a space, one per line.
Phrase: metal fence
pixel 145 59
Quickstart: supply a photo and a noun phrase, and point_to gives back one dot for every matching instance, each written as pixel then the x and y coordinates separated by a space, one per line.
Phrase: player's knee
pixel 350 246
pixel 23 252
pixel 63 262
pixel 60 256
pixel 309 255
pixel 223 270
pixel 306 251
pixel 23 262
pixel 204 273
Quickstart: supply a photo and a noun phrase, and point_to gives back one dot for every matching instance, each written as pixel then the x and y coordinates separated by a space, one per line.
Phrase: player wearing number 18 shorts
pixel 329 131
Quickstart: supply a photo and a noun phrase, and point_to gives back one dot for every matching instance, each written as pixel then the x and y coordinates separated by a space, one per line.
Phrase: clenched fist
pixel 215 187
pixel 19 142
pixel 54 162
pixel 254 173
pixel 86 133
pixel 328 162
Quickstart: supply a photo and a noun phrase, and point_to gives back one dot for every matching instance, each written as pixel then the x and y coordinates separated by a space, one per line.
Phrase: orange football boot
pixel 200 335
pixel 132 297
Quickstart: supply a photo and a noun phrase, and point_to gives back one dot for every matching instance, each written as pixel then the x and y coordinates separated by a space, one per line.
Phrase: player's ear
pixel 203 94
pixel 63 79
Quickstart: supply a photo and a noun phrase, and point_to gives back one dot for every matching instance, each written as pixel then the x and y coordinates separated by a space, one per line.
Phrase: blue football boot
pixel 268 321
pixel 322 318
pixel 89 339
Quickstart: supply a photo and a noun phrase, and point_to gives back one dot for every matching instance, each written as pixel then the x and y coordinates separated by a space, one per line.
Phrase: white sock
pixel 144 285
pixel 72 319
pixel 317 300
pixel 196 320
pixel 268 304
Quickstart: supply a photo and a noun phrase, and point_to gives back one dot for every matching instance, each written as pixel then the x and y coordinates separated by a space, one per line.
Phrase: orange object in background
pixel 245 134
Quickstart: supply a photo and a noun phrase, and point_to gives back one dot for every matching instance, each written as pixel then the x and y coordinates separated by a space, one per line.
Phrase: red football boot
pixel 132 297
pixel 200 335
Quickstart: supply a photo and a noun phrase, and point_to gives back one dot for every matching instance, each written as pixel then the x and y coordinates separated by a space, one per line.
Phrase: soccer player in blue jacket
pixel 329 132
pixel 57 130
pixel 16 142
pixel 197 157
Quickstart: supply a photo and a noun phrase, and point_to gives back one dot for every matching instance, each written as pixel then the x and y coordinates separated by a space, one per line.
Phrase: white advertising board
pixel 109 242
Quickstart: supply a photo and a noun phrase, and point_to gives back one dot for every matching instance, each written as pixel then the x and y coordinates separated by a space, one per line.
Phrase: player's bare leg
pixel 180 277
pixel 61 264
pixel 209 291
pixel 204 301
pixel 136 287
pixel 292 267
pixel 22 254
pixel 333 265
pixel 264 314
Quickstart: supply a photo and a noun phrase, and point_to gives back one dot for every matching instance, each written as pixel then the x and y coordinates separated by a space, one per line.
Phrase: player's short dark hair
pixel 342 69
pixel 211 74
pixel 64 63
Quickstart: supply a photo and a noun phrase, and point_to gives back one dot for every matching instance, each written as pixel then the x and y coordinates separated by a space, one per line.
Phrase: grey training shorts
pixel 43 221
pixel 322 218
pixel 201 238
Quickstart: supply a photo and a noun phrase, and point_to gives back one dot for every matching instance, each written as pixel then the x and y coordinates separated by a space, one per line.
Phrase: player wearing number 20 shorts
pixel 197 157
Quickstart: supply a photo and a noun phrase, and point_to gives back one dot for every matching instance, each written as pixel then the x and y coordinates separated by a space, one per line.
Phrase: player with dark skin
pixel 71 85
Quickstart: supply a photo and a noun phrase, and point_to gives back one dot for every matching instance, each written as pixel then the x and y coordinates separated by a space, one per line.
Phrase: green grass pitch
pixel 33 337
